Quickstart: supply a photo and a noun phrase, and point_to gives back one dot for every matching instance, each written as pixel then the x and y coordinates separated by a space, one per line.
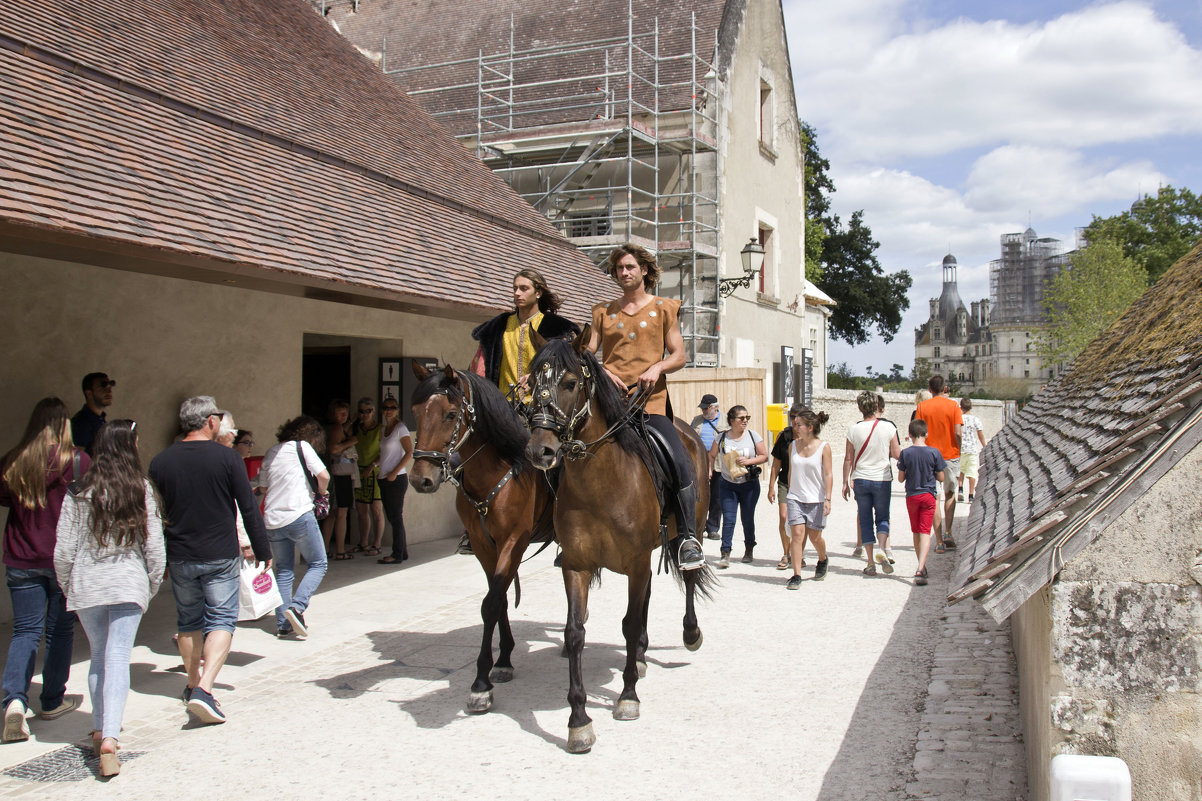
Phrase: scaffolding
pixel 612 139
pixel 1018 279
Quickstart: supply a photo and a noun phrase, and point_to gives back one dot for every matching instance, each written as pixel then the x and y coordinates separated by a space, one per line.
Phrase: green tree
pixel 865 296
pixel 1083 300
pixel 1156 231
pixel 842 261
pixel 818 186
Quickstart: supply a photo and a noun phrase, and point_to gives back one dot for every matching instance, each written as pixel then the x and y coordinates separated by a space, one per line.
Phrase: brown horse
pixel 607 511
pixel 501 501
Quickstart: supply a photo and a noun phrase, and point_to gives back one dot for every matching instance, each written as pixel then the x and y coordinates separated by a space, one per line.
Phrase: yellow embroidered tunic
pixel 630 343
pixel 517 351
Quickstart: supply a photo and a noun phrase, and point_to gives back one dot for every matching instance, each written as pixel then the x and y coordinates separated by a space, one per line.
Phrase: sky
pixel 952 123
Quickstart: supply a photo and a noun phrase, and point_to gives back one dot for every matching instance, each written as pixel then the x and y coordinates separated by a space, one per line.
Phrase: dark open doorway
pixel 325 375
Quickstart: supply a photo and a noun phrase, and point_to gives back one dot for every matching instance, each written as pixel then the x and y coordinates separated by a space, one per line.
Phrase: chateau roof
pixel 1087 446
pixel 248 138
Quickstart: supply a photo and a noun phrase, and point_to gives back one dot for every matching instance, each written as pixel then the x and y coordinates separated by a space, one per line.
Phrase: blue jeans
pixel 111 630
pixel 872 498
pixel 206 595
pixel 38 607
pixel 303 535
pixel 739 498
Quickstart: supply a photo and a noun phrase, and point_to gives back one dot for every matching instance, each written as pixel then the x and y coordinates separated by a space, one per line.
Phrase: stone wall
pixel 1110 653
pixel 840 404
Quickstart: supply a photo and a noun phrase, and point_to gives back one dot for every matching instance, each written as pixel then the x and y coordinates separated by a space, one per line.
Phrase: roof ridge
pixel 75 67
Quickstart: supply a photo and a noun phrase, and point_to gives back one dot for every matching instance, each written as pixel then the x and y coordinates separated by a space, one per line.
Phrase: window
pixel 814 339
pixel 765 237
pixel 936 352
pixel 938 333
pixel 767 123
pixel 1026 373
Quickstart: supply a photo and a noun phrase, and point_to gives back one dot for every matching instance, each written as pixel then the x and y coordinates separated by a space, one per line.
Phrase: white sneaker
pixel 15 727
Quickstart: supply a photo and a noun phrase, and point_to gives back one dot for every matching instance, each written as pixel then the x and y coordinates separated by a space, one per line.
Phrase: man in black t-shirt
pixel 203 486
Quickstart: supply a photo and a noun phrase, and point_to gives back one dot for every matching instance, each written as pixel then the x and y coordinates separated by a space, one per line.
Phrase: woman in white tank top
pixel 810 483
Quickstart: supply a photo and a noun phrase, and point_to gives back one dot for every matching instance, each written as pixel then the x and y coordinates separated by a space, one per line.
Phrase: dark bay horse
pixel 501 501
pixel 607 511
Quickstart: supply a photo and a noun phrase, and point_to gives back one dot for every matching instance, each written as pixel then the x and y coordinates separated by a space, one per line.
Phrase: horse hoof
pixel 695 644
pixel 642 668
pixel 626 710
pixel 581 739
pixel 479 703
pixel 501 675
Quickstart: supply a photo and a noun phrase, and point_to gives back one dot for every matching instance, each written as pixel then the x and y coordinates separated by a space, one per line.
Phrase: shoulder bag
pixel 321 503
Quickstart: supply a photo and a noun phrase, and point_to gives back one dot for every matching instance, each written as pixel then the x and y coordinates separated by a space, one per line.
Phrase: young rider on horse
pixel 640 343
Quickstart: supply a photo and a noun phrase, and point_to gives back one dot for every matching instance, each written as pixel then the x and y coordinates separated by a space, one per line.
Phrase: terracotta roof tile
pixel 251 133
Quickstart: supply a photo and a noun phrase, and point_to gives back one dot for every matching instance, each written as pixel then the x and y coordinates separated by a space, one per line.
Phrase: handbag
pixel 321 503
pixel 257 591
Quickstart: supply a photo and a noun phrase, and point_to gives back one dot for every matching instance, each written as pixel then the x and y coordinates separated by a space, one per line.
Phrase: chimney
pixel 985 312
pixel 934 308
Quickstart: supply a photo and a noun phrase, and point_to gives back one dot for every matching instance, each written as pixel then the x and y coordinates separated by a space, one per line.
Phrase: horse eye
pixel 570 386
pixel 450 416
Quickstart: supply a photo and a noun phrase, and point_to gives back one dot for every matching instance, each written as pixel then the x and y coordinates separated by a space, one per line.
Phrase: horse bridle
pixel 548 416
pixel 442 459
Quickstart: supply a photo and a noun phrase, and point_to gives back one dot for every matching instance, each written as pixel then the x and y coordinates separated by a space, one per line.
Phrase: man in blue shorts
pixel 201 482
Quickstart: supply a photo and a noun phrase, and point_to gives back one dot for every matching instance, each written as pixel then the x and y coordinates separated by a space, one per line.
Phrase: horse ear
pixel 580 344
pixel 450 373
pixel 537 340
pixel 420 370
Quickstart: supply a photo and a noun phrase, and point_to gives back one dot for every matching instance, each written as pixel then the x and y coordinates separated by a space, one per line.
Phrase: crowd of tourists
pixel 92 535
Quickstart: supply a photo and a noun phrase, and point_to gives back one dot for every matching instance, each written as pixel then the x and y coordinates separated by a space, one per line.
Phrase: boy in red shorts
pixel 919 467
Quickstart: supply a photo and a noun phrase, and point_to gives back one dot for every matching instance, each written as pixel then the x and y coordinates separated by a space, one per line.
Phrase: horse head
pixel 562 384
pixel 442 416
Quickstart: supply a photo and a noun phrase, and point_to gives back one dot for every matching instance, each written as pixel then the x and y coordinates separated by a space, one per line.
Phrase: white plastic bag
pixel 257 592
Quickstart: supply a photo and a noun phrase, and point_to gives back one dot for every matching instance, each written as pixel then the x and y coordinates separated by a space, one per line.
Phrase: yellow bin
pixel 776 418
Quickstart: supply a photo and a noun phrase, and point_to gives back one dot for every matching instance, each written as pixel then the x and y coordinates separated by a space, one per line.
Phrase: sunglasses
pixel 391 408
pixel 366 411
pixel 107 384
pixel 743 417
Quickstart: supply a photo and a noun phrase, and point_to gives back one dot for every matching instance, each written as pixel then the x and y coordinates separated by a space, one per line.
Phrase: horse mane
pixel 496 420
pixel 611 403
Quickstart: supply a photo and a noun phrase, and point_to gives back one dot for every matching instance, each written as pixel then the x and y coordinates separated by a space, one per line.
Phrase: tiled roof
pixel 1087 446
pixel 251 134
pixel 410 34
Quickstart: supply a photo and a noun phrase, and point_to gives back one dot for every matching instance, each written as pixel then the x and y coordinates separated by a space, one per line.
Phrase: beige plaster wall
pixel 754 326
pixel 1117 646
pixel 164 339
pixel 840 404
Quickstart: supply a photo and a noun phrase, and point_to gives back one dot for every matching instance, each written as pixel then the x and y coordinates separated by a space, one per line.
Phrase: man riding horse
pixel 639 339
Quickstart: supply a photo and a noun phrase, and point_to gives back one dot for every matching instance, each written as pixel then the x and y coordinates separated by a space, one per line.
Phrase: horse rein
pixel 443 458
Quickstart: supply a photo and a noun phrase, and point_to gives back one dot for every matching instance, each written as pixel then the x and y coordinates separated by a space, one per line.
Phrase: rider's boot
pixel 686 546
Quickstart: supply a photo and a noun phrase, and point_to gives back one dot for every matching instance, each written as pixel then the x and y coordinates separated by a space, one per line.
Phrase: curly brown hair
pixel 644 257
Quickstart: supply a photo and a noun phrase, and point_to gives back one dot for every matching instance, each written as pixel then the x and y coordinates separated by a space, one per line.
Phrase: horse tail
pixel 705 581
pixel 517 591
pixel 704 578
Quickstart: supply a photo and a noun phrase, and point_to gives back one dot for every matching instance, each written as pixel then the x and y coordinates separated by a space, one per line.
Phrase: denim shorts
pixel 809 514
pixel 206 594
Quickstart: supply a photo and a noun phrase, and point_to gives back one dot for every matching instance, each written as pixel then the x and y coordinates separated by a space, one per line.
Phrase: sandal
pixel 949 543
pixel 920 577
pixel 870 570
pixel 939 547
pixel 784 563
pixel 389 560
pixel 342 557
pixel 110 763
pixel 372 551
pixel 358 549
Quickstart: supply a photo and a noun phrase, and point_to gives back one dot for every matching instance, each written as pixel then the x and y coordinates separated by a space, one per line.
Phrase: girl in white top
pixel 109 558
pixel 811 480
pixel 396 450
pixel 738 495
pixel 871 443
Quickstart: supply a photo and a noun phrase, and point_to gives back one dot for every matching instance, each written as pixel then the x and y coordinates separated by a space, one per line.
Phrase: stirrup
pixel 694 558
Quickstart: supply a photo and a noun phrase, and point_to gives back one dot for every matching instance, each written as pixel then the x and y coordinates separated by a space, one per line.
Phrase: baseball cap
pixel 707 400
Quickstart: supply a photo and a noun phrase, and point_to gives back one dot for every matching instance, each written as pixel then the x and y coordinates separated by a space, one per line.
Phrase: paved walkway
pixel 852 688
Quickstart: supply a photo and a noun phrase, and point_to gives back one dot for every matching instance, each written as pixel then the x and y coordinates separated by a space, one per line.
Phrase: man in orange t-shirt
pixel 944 419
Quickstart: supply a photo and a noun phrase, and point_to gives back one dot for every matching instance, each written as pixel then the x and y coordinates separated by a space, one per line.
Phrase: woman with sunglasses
pixel 34 481
pixel 110 560
pixel 396 450
pixel 367 496
pixel 739 489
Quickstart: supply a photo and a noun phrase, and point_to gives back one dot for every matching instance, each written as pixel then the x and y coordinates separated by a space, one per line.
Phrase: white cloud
pixel 1053 181
pixel 1109 73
